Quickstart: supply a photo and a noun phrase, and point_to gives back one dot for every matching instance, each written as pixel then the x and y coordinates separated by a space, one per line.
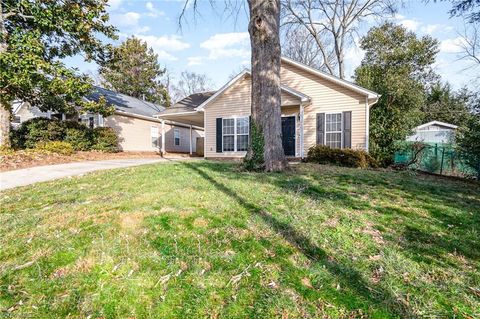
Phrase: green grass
pixel 203 240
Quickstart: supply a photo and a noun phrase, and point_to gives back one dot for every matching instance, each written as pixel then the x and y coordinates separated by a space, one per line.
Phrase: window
pixel 333 130
pixel 16 119
pixel 176 136
pixel 235 134
pixel 154 136
pixel 228 135
pixel 242 134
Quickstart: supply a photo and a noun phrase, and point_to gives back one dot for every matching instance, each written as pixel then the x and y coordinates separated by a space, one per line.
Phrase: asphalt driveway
pixel 37 174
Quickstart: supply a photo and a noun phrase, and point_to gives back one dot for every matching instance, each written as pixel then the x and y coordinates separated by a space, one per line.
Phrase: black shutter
pixel 347 129
pixel 219 135
pixel 320 128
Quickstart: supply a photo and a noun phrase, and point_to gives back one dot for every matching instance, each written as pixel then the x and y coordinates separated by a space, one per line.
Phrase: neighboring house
pixel 317 108
pixel 133 121
pixel 434 132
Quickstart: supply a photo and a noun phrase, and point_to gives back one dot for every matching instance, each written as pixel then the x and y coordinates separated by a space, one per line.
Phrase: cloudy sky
pixel 217 43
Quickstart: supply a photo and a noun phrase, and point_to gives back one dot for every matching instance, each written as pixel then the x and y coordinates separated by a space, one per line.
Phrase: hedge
pixel 343 157
pixel 38 131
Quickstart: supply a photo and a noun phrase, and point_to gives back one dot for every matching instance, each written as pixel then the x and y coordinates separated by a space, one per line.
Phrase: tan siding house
pixel 133 121
pixel 317 108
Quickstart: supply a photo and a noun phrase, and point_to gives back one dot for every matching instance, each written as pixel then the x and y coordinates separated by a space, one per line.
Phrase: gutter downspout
pixel 367 125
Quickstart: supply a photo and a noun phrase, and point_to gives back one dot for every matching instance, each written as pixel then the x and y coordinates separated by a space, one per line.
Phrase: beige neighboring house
pixel 133 120
pixel 317 108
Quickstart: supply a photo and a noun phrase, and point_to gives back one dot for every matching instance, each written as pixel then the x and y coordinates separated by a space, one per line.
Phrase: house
pixel 317 108
pixel 434 132
pixel 133 120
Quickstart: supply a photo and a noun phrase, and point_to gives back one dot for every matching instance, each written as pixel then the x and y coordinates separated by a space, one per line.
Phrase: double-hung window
pixel 235 134
pixel 333 130
pixel 176 136
pixel 154 136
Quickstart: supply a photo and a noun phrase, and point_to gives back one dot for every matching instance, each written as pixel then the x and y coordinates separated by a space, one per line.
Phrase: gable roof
pixel 125 103
pixel 332 78
pixel 436 123
pixel 241 75
pixel 189 103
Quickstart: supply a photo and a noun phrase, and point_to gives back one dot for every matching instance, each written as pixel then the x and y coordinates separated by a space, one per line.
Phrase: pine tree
pixel 133 69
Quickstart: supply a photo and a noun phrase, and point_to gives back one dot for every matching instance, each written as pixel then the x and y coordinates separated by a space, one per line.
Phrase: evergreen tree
pixel 444 104
pixel 133 69
pixel 397 65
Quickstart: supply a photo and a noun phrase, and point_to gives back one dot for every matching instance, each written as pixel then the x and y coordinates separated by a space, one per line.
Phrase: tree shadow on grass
pixel 349 277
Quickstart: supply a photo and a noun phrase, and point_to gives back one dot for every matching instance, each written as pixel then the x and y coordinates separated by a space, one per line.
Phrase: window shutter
pixel 347 129
pixel 320 128
pixel 219 135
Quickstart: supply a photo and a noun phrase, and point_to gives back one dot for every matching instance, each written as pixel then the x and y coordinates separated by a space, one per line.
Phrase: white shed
pixel 434 132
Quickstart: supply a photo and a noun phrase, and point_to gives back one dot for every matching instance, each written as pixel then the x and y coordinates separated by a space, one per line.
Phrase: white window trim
pixel 235 131
pixel 176 130
pixel 156 136
pixel 341 131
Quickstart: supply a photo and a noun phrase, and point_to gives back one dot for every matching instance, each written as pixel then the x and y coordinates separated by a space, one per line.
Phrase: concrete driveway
pixel 37 174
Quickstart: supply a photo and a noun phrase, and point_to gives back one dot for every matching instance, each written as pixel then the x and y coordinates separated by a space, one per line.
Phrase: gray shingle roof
pixel 125 103
pixel 189 103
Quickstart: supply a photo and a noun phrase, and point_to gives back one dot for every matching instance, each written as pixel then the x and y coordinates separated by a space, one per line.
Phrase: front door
pixel 288 135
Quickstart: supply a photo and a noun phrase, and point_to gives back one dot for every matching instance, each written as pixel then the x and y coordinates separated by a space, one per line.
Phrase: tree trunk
pixel 266 113
pixel 4 109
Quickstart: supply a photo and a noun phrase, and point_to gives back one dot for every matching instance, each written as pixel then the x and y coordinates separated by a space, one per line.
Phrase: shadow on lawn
pixel 380 299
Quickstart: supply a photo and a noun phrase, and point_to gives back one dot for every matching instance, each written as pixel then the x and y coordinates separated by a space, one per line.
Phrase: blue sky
pixel 217 44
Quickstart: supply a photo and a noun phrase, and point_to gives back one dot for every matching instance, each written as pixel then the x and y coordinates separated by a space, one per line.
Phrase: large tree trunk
pixel 4 109
pixel 266 113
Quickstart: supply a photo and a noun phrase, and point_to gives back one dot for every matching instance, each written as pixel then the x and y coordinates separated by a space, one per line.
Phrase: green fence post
pixel 441 165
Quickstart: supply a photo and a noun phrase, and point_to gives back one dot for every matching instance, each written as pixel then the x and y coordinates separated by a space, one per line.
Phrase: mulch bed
pixel 29 158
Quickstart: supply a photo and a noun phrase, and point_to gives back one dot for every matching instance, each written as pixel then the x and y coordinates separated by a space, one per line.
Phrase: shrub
pixel 343 157
pixel 80 136
pixel 59 147
pixel 105 139
pixel 37 130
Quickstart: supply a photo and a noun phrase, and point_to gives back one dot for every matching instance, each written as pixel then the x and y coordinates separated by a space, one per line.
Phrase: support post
pixel 191 146
pixel 163 137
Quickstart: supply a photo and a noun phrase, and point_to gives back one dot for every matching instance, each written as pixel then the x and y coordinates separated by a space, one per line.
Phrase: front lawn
pixel 203 240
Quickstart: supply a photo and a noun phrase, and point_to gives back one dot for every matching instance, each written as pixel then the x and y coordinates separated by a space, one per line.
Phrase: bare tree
pixel 299 45
pixel 189 83
pixel 334 23
pixel 471 44
pixel 264 30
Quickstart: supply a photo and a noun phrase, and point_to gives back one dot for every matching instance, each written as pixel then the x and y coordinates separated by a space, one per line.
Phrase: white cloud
pixel 129 21
pixel 165 45
pixel 195 60
pixel 114 4
pixel 452 45
pixel 430 28
pixel 409 24
pixel 226 45
pixel 152 11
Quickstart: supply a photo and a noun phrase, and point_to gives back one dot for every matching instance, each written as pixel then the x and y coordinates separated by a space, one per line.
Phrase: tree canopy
pixel 446 105
pixel 34 36
pixel 133 69
pixel 397 65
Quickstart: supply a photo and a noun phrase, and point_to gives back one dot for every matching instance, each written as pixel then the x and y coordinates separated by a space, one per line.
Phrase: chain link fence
pixel 437 158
